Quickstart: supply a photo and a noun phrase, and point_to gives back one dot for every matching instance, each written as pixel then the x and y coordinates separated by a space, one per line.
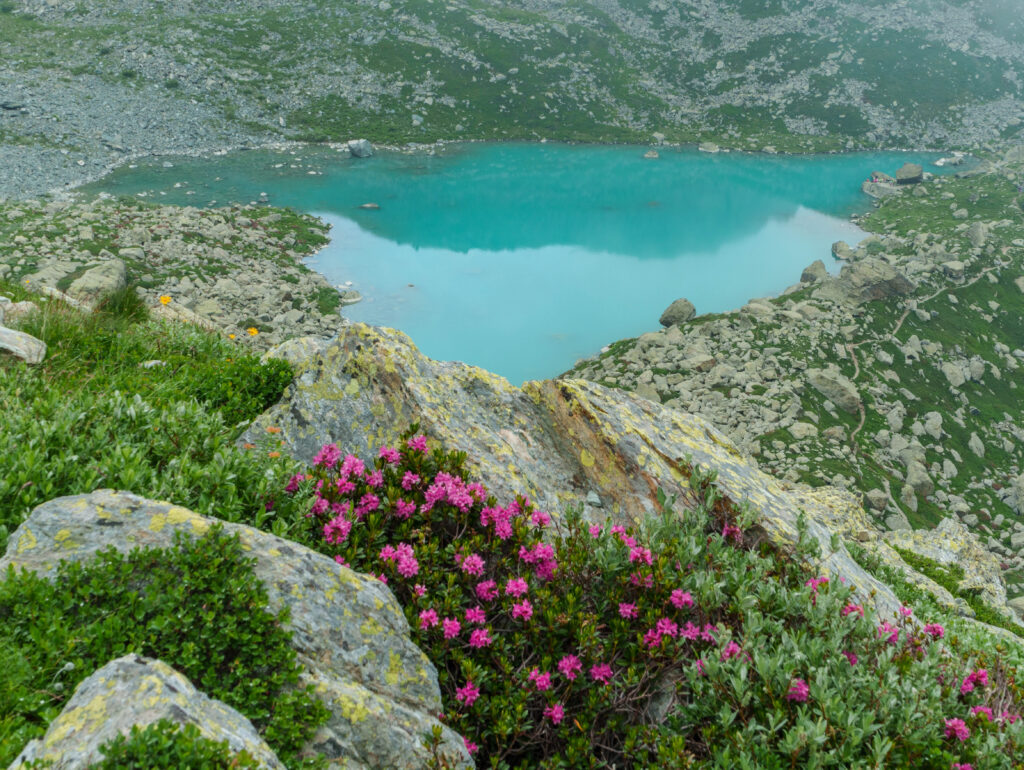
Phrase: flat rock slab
pixel 558 441
pixel 134 690
pixel 348 629
pixel 21 345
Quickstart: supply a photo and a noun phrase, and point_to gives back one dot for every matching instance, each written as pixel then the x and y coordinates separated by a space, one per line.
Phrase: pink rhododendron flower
pixel 404 509
pixel 708 632
pixel 934 630
pixel 389 455
pixel 471 747
pixel 555 713
pixel 319 506
pixel 731 532
pixel 352 466
pixel 487 590
pixel 979 677
pixel 595 530
pixel 958 729
pixel 476 615
pixel 409 480
pixel 849 609
pixel 540 518
pixel 570 666
pixel 601 672
pixel 293 483
pixel 798 691
pixel 852 657
pixel 428 618
pixel 888 629
pixel 667 627
pixel 341 560
pixel 731 650
pixel 984 710
pixel 328 456
pixel 451 628
pixel 480 637
pixel 700 667
pixel 467 694
pixel 523 610
pixel 516 587
pixel 419 589
pixel 689 631
pixel 641 554
pixel 473 565
pixel 627 610
pixel 641 581
pixel 680 599
pixel 337 529
pixel 961 766
pixel 419 443
pixel 375 479
pixel 541 680
pixel 906 611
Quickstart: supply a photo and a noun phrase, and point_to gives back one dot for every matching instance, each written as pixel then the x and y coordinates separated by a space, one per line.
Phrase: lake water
pixel 521 258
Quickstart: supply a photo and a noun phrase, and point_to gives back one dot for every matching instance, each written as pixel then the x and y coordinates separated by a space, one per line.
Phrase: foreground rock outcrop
pixel 349 631
pixel 563 443
pixel 134 690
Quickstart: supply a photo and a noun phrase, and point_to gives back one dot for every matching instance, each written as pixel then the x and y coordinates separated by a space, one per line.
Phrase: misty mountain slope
pixel 146 75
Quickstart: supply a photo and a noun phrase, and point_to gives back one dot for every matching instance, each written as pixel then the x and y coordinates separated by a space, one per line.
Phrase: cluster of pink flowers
pixel 467 694
pixel 540 679
pixel 542 558
pixel 957 728
pixel 979 677
pixel 799 691
pixel 403 557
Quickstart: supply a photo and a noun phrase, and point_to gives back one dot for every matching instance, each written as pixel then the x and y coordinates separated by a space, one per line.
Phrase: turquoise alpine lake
pixel 521 258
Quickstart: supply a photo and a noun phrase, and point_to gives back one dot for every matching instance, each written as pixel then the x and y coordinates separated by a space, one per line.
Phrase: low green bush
pixel 164 745
pixel 683 641
pixel 90 416
pixel 197 607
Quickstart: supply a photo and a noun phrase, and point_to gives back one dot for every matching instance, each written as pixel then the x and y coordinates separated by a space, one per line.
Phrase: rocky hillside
pixel 85 84
pixel 236 269
pixel 898 379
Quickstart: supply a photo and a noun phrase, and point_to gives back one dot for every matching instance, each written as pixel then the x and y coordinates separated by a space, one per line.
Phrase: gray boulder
pixel 909 173
pixel 106 277
pixel 680 311
pixel 814 272
pixel 556 441
pixel 360 148
pixel 835 387
pixel 134 690
pixel 349 631
pixel 842 250
pixel 864 281
pixel 24 346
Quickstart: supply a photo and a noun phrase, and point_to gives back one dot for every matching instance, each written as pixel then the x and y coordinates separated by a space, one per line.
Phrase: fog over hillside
pixel 101 79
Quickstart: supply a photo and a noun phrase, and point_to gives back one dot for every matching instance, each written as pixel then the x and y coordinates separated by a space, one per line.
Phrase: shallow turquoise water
pixel 522 258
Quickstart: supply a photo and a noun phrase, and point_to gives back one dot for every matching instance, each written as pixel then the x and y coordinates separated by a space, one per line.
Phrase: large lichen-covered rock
pixel 950 542
pixel 134 690
pixel 348 629
pixel 864 281
pixel 556 441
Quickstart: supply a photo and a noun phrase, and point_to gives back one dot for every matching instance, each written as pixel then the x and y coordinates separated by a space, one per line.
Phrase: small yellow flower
pixel 231 336
pixel 253 331
pixel 165 299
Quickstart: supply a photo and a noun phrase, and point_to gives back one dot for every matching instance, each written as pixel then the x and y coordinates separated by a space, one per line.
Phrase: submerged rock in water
pixel 560 442
pixel 133 690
